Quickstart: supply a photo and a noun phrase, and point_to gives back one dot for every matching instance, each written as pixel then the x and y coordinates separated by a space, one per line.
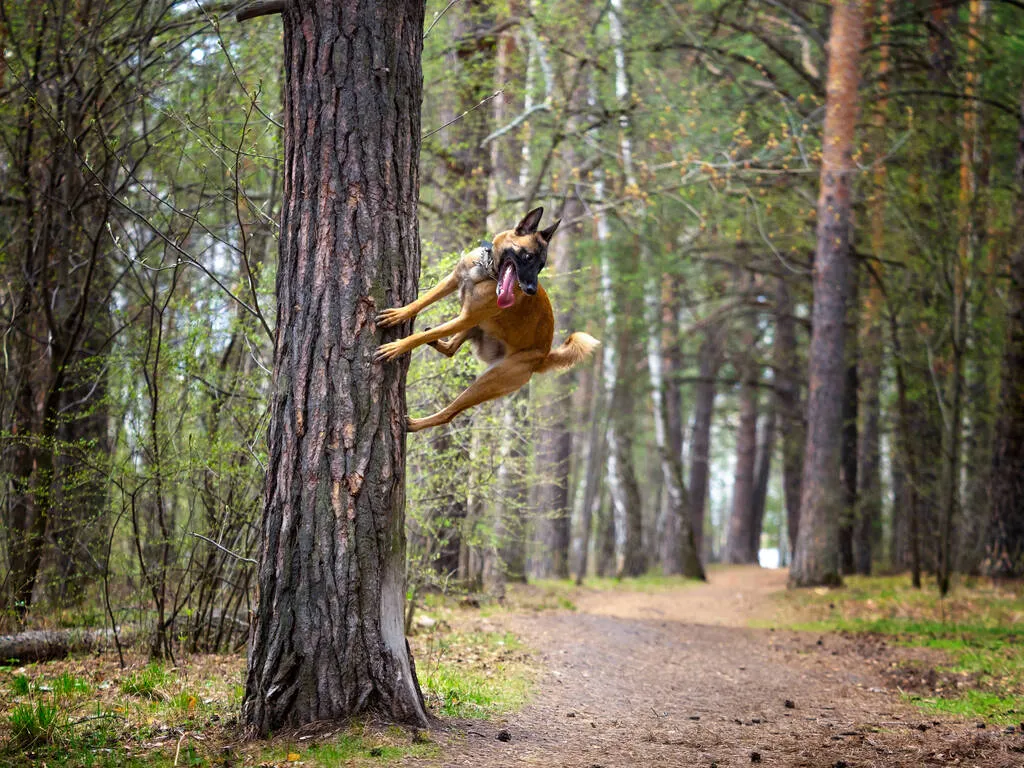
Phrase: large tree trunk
pixel 327 639
pixel 1005 547
pixel 816 558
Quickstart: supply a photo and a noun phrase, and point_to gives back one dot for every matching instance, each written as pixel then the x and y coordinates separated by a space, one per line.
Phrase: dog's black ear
pixel 548 233
pixel 530 222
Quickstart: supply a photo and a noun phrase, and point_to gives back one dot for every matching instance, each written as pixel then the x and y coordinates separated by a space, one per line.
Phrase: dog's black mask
pixel 528 266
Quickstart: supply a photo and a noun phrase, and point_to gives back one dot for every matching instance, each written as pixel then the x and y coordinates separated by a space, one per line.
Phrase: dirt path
pixel 676 679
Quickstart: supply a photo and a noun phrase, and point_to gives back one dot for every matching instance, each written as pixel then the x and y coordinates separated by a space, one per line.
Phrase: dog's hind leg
pixel 389 317
pixel 500 379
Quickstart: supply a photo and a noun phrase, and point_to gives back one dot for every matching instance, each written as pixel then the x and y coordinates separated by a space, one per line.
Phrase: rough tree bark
pixel 815 561
pixel 327 639
pixel 1004 556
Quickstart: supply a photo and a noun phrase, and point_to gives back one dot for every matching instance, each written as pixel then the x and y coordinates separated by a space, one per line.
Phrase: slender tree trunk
pixel 791 420
pixel 623 487
pixel 871 359
pixel 590 499
pixel 327 639
pixel 816 558
pixel 738 547
pixel 908 461
pixel 1004 555
pixel 554 438
pixel 709 359
pixel 848 452
pixel 762 474
pixel 685 558
pixel 509 511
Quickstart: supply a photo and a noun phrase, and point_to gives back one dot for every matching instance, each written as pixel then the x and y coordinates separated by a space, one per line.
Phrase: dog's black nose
pixel 529 288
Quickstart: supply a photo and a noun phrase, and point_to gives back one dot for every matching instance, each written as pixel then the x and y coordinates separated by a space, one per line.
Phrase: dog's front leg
pixel 393 349
pixel 390 317
pixel 450 347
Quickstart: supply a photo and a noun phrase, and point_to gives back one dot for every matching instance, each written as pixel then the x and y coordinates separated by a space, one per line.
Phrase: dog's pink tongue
pixel 506 290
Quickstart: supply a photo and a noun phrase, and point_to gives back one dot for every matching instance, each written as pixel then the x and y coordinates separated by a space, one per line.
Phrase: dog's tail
pixel 577 347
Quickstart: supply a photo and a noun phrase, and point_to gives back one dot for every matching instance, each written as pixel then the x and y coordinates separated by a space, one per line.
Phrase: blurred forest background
pixel 680 142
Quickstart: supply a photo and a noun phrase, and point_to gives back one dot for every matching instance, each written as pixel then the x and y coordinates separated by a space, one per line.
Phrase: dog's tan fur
pixel 515 342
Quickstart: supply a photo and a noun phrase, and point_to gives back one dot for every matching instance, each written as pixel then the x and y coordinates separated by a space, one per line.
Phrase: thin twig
pixel 437 18
pixel 459 117
pixel 222 548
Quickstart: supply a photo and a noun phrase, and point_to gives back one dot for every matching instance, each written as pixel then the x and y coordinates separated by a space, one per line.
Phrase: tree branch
pixel 258 8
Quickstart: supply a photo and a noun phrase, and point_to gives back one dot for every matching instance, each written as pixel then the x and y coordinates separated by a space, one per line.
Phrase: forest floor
pixel 645 672
pixel 678 677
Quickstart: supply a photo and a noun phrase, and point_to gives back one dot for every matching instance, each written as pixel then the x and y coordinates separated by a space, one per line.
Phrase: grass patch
pixel 357 746
pixel 149 682
pixel 34 724
pixel 68 684
pixel 975 704
pixel 979 627
pixel 475 674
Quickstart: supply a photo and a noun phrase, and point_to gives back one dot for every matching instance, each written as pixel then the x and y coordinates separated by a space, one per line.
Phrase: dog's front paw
pixel 390 317
pixel 389 351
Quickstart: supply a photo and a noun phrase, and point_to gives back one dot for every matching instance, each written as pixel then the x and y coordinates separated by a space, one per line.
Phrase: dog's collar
pixel 486 259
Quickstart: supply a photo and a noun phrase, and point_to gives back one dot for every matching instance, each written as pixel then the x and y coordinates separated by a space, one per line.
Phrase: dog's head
pixel 520 254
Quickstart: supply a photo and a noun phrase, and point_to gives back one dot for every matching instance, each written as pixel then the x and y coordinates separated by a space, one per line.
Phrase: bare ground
pixel 676 678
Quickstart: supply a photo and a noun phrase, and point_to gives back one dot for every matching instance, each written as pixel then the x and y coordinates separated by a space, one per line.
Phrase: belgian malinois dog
pixel 505 314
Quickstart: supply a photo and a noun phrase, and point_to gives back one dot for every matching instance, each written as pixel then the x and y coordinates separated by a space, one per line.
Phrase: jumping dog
pixel 505 313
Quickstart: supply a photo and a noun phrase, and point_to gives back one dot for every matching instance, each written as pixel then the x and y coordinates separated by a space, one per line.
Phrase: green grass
pixel 67 684
pixel 149 682
pixel 476 674
pixel 355 747
pixel 1004 710
pixel 458 692
pixel 34 724
pixel 21 685
pixel 980 629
